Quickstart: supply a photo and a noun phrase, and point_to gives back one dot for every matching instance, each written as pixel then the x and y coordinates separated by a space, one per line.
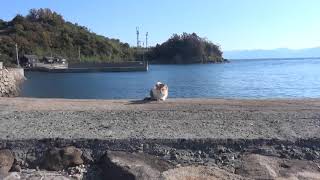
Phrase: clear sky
pixel 233 24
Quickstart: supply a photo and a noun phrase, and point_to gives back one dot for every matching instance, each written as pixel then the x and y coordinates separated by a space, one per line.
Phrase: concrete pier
pixel 91 67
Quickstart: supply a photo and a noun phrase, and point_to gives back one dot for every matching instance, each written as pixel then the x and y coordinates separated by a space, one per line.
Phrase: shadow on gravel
pixel 144 101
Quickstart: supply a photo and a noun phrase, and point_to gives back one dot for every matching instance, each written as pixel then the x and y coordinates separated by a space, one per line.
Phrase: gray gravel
pixel 31 118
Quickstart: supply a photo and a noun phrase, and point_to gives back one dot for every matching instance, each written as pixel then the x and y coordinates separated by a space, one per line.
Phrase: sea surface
pixel 274 78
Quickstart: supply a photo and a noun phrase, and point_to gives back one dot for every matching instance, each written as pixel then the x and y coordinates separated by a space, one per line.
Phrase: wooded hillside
pixel 44 33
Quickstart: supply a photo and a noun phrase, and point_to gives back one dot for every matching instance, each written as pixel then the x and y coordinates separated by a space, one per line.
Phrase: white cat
pixel 159 92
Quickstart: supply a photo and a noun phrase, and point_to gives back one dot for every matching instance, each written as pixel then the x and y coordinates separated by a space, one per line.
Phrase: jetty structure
pixel 61 65
pixel 65 67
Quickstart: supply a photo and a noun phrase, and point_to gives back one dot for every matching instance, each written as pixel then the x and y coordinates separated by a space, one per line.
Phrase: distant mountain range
pixel 274 53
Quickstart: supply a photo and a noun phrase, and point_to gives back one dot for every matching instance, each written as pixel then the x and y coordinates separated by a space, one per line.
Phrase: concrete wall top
pixel 17 72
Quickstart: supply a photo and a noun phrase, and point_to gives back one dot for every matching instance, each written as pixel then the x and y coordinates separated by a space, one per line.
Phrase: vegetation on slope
pixel 45 33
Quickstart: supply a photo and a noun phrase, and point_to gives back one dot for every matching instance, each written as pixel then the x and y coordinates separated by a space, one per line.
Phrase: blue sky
pixel 233 24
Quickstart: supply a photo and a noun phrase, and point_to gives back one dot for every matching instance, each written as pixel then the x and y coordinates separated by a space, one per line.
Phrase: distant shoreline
pixel 276 58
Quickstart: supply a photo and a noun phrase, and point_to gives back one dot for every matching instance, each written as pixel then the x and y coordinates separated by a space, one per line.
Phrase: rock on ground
pixel 199 173
pixel 12 176
pixel 74 173
pixel 264 167
pixel 6 161
pixel 43 175
pixel 61 158
pixel 123 165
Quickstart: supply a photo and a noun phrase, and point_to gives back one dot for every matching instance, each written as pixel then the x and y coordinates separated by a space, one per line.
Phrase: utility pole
pixel 146 45
pixel 17 55
pixel 138 42
pixel 79 53
pixel 142 52
pixel 147 41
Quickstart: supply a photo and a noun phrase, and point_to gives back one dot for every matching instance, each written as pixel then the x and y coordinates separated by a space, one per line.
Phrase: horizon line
pixel 267 49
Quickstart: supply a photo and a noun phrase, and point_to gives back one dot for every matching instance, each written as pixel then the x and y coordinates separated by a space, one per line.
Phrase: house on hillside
pixel 60 60
pixel 54 60
pixel 48 59
pixel 29 60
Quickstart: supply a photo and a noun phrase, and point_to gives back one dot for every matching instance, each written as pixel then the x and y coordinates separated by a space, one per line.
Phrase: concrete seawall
pixel 10 79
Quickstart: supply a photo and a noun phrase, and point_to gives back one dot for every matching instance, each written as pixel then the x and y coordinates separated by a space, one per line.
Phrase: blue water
pixel 238 79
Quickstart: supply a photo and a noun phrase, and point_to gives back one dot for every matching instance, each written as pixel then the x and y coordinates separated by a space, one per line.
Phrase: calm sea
pixel 238 79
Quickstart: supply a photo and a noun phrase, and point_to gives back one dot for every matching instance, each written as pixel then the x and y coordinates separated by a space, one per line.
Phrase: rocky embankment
pixel 142 159
pixel 176 139
pixel 10 80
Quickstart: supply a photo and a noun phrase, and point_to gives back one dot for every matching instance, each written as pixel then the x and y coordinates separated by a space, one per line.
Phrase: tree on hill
pixel 43 32
pixel 186 48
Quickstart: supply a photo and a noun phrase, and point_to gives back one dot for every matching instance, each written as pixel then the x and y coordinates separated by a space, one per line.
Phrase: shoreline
pixel 174 118
pixel 231 136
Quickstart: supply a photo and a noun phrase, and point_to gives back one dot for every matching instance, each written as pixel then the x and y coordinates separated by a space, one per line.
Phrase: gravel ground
pixel 32 118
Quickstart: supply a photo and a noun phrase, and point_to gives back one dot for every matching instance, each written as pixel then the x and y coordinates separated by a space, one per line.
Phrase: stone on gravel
pixel 199 173
pixel 267 167
pixel 61 158
pixel 6 161
pixel 124 165
pixel 87 157
pixel 12 176
pixel 31 174
pixel 15 168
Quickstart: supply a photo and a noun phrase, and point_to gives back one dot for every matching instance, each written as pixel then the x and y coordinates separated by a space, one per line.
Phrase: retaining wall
pixel 10 80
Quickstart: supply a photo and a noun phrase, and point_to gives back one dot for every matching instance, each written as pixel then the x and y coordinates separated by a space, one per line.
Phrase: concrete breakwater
pixel 10 80
pixel 91 67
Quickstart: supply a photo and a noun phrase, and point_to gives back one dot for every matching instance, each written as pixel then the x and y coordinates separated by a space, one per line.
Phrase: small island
pixel 44 33
pixel 186 49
